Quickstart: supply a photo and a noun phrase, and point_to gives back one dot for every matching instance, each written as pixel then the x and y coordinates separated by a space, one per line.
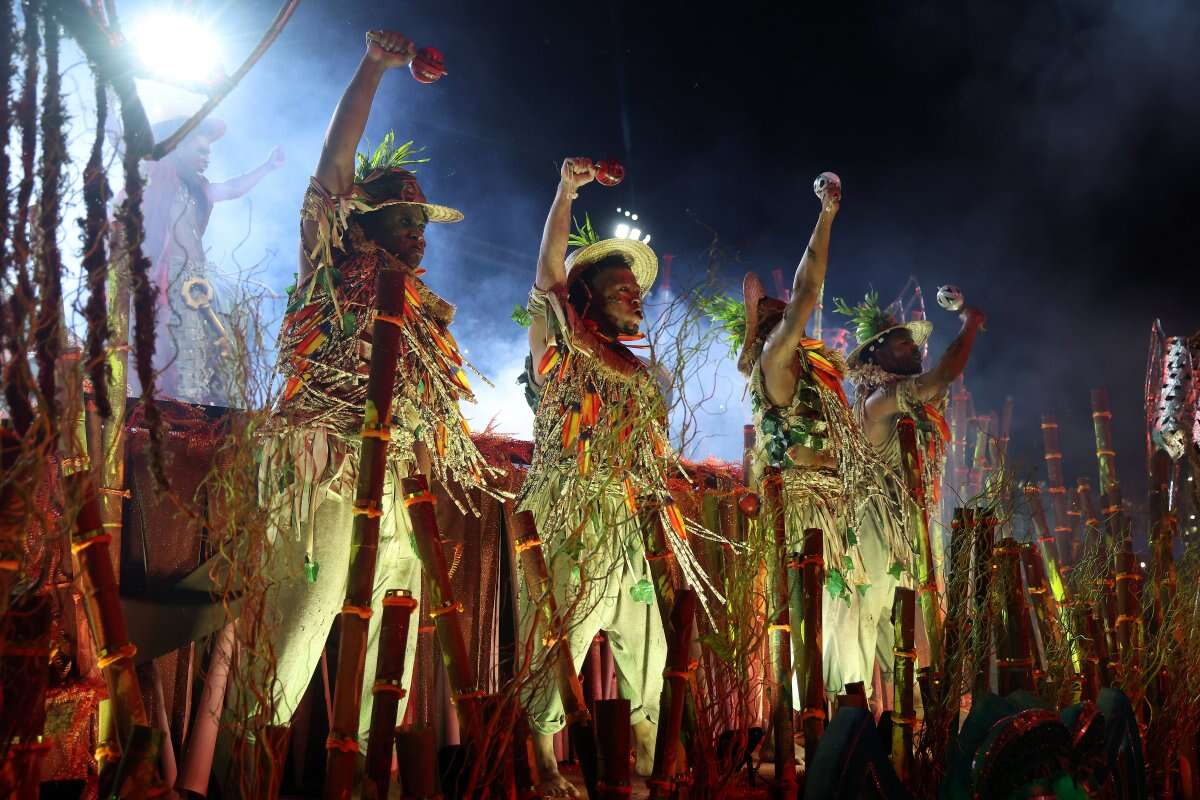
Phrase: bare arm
pixel 780 349
pixel 237 187
pixel 335 169
pixel 882 405
pixel 551 265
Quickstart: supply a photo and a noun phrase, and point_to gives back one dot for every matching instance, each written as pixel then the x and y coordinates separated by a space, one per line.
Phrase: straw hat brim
pixel 639 256
pixel 918 328
pixel 436 213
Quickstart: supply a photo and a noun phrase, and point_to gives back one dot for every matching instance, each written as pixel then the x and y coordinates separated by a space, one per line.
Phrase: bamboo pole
pixel 342 743
pixel 660 557
pixel 960 400
pixel 388 691
pixel 541 593
pixel 1045 610
pixel 904 715
pixel 1014 644
pixel 1052 577
pixel 1163 525
pixel 1129 624
pixel 1106 457
pixel 927 592
pixel 784 785
pixel 809 571
pixel 675 690
pixel 1064 533
pixel 1097 540
pixel 957 614
pixel 446 610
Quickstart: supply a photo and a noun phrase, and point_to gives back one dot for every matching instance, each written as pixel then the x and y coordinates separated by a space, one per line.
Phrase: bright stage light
pixel 176 46
pixel 622 230
pixel 646 240
pixel 635 234
pixel 634 217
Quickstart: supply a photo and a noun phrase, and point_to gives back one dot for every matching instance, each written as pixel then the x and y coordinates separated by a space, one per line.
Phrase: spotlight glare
pixel 622 230
pixel 635 234
pixel 618 209
pixel 176 46
pixel 646 240
pixel 634 217
pixel 627 213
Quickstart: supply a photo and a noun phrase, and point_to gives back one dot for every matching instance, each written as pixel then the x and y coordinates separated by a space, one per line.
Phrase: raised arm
pixel 931 384
pixel 780 348
pixel 236 187
pixel 551 265
pixel 335 169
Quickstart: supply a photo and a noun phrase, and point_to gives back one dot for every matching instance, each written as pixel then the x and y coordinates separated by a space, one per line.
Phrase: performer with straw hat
pixel 886 372
pixel 806 430
pixel 600 463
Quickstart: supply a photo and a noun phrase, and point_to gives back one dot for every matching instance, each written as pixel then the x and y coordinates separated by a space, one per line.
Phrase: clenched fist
pixel 390 49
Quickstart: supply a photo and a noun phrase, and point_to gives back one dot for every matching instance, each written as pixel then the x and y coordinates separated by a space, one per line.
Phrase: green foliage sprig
pixel 867 318
pixel 727 313
pixel 387 155
pixel 584 234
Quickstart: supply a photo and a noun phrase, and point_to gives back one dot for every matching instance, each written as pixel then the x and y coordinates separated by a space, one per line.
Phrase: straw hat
pixel 872 324
pixel 639 256
pixel 758 305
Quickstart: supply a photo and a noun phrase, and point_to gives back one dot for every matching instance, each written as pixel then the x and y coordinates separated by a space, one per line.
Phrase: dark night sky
pixel 1041 155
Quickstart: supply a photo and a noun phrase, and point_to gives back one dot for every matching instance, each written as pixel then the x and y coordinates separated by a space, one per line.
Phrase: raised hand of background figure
pixel 973 316
pixel 390 49
pixel 577 172
pixel 275 159
pixel 831 198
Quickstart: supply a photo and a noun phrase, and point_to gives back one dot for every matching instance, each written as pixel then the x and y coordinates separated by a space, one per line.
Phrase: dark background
pixel 1041 155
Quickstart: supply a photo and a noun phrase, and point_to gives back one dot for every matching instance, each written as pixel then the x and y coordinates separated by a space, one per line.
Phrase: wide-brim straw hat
pixel 638 255
pixel 410 194
pixel 919 329
pixel 757 301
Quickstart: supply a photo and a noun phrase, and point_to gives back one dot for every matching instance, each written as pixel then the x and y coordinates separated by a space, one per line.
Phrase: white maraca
pixel 950 298
pixel 827 180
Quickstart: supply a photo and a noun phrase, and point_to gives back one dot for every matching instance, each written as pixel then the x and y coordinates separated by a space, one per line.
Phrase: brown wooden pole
pixel 444 608
pixel 416 754
pixel 1164 523
pixel 525 771
pixel 984 567
pixel 927 590
pixel 612 729
pixel 388 691
pixel 811 567
pixel 675 691
pixel 541 593
pixel 960 400
pixel 1014 642
pixel 904 715
pixel 784 785
pixel 342 743
pixel 957 612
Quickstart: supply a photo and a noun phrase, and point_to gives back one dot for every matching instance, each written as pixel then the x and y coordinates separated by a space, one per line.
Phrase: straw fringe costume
pixel 600 455
pixel 818 418
pixel 310 459
pixel 886 535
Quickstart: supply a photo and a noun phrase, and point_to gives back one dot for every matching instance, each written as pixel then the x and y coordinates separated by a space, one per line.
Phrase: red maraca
pixel 427 66
pixel 609 172
pixel 748 504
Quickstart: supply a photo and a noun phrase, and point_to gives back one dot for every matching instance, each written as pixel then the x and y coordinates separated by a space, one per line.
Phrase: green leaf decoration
pixel 867 318
pixel 835 582
pixel 521 316
pixel 728 313
pixel 387 155
pixel 896 569
pixel 642 592
pixel 349 323
pixel 851 537
pixel 847 564
pixel 863 588
pixel 584 234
